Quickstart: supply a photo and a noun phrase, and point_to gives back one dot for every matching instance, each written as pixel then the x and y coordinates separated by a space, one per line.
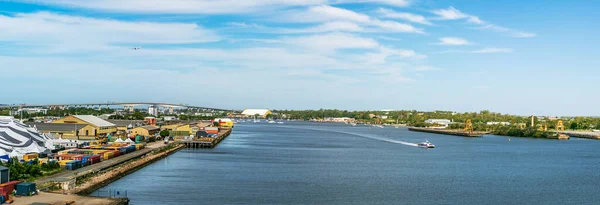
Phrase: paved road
pixel 70 174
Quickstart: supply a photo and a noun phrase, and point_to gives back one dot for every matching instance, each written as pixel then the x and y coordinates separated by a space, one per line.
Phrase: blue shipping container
pixel 25 189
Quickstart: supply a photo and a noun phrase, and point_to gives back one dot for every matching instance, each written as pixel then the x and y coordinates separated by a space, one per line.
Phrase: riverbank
pixel 448 132
pixel 529 133
pixel 579 134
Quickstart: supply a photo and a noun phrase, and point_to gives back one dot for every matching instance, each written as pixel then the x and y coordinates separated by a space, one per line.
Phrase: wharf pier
pixel 206 142
pixel 448 132
pixel 577 134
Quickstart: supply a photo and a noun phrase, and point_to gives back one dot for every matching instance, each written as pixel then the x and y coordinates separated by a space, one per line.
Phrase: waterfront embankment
pixel 448 132
pixel 580 134
pixel 92 183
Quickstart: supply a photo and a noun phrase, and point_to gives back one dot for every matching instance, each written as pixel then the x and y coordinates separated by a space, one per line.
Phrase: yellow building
pixel 94 126
pixel 182 129
pixel 145 131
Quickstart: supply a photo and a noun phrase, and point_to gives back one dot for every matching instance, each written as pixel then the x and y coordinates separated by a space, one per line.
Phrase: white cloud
pixel 481 51
pixel 333 41
pixel 380 56
pixel 398 3
pixel 452 13
pixel 387 38
pixel 404 16
pixel 453 41
pixel 326 13
pixel 328 27
pixel 181 6
pixel 55 30
pixel 200 6
pixel 494 50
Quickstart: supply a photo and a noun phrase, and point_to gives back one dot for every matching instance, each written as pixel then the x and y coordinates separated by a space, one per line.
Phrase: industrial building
pixel 96 127
pixel 145 131
pixel 256 112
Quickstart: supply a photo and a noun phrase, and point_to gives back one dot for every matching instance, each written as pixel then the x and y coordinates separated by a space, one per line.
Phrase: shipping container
pixel 30 156
pixel 94 159
pixel 63 163
pixel 25 189
pixel 7 188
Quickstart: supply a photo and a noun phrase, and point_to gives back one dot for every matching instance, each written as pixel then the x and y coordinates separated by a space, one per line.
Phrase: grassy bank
pixel 528 132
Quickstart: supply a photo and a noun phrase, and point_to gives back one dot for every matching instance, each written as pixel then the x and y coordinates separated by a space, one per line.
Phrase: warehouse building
pixel 95 128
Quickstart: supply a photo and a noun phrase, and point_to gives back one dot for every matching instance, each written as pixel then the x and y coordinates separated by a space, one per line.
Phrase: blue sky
pixel 521 57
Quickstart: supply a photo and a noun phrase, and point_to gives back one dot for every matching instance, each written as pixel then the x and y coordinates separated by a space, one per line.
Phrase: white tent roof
pixel 18 139
pixel 129 140
pixel 252 112
pixel 119 140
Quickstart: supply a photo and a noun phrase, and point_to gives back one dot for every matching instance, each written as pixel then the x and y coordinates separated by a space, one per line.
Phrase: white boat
pixel 380 126
pixel 280 122
pixel 271 121
pixel 426 144
pixel 353 124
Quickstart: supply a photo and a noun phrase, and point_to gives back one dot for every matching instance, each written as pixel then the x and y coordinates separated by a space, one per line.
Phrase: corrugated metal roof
pixel 149 127
pixel 125 123
pixel 57 126
pixel 94 120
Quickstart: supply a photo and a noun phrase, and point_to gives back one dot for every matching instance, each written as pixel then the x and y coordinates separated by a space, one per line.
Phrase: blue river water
pixel 318 163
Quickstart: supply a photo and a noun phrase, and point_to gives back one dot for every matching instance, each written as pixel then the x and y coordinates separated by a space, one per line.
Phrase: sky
pixel 532 57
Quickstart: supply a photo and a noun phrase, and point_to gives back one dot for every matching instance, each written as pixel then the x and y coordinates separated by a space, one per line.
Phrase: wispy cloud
pixel 200 6
pixel 326 13
pixel 62 31
pixel 414 18
pixel 453 41
pixel 452 13
pixel 480 51
pixel 494 50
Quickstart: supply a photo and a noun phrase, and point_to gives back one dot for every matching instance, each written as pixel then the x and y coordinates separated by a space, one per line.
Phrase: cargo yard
pixel 95 155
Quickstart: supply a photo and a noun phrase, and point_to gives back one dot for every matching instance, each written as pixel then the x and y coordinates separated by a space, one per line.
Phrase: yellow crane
pixel 560 126
pixel 468 126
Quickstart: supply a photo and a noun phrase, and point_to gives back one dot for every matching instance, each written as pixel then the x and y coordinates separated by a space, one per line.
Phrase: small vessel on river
pixel 426 144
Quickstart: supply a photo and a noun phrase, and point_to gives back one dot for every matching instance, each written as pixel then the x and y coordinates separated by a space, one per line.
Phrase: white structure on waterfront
pixel 29 111
pixel 17 139
pixel 498 123
pixel 443 122
pixel 254 112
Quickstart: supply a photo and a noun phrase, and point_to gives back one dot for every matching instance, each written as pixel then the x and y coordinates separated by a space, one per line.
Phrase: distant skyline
pixel 517 57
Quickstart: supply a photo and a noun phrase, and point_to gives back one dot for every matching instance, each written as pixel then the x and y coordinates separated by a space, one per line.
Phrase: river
pixel 312 163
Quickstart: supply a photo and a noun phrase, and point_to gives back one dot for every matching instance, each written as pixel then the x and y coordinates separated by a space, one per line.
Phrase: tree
pixel 164 133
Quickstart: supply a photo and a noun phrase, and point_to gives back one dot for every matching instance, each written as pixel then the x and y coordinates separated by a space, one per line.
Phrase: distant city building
pixel 339 119
pixel 169 118
pixel 552 118
pixel 443 122
pixel 153 110
pixel 498 123
pixel 204 114
pixel 254 112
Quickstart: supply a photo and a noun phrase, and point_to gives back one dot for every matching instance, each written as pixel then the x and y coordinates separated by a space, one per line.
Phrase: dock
pixel 206 142
pixel 448 132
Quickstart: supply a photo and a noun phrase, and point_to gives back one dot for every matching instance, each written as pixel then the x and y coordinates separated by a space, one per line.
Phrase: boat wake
pixel 380 139
pixel 366 136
